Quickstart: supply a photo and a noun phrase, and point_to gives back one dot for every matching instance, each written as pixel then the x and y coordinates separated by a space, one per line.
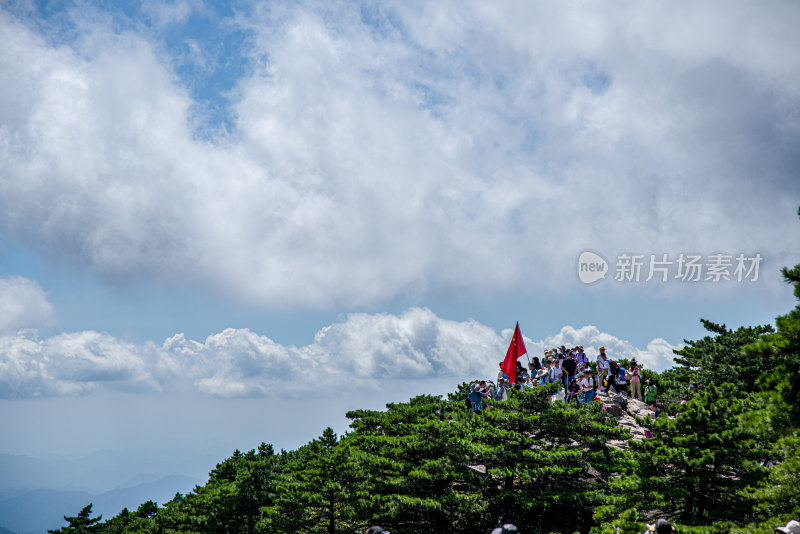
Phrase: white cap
pixel 792 527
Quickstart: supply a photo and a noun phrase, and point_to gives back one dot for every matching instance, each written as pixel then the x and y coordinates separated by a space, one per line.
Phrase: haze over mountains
pixel 36 492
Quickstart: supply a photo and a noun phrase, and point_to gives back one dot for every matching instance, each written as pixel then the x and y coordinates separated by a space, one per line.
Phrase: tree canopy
pixel 724 458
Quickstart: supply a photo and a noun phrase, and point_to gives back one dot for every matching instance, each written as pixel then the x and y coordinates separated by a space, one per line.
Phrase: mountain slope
pixel 42 509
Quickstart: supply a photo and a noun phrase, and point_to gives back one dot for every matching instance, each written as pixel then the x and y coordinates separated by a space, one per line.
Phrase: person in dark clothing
pixel 611 376
pixel 570 368
pixel 573 392
pixel 662 526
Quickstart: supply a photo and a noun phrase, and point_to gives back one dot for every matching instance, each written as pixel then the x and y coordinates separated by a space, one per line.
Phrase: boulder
pixel 626 410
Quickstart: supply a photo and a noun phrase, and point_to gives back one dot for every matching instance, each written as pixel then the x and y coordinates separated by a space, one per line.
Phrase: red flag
pixel 515 350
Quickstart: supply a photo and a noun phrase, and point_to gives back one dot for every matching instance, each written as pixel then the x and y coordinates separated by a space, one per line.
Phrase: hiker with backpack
pixel 611 378
pixel 582 360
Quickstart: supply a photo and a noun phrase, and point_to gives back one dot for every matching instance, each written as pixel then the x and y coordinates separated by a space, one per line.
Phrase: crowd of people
pixel 571 368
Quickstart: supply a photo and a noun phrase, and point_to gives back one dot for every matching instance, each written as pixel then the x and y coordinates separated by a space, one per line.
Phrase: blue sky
pixel 261 208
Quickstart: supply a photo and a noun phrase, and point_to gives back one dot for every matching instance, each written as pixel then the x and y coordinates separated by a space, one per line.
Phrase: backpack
pixel 614 367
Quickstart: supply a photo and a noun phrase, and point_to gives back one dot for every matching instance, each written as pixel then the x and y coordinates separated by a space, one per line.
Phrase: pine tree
pixel 317 491
pixel 700 466
pixel 720 358
pixel 79 524
pixel 546 462
pixel 126 522
pixel 417 455
pixel 231 501
pixel 780 413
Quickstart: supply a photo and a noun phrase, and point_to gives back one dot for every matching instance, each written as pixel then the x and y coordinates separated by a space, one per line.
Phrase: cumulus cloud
pixel 76 363
pixel 382 150
pixel 23 304
pixel 363 351
pixel 657 355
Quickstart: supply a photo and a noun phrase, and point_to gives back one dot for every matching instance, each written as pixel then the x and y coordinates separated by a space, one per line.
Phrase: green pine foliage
pixel 720 359
pixel 779 418
pixel 80 524
pixel 699 467
pixel 231 501
pixel 547 463
pixel 628 522
pixel 142 521
pixel 728 462
pixel 318 490
pixel 418 458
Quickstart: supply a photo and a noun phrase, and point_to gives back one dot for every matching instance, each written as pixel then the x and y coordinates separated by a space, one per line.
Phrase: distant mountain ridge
pixel 36 511
pixel 99 472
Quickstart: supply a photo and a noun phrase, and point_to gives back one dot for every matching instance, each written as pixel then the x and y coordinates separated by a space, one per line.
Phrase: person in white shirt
pixel 502 391
pixel 558 373
pixel 587 386
pixel 546 372
pixel 530 382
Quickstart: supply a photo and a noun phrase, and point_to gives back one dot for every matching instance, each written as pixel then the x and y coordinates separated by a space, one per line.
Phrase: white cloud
pixel 167 13
pixel 455 146
pixel 657 355
pixel 75 363
pixel 363 352
pixel 23 304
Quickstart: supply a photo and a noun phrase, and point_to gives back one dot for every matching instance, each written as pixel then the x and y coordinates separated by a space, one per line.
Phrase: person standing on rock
pixel 602 369
pixel 650 391
pixel 635 381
